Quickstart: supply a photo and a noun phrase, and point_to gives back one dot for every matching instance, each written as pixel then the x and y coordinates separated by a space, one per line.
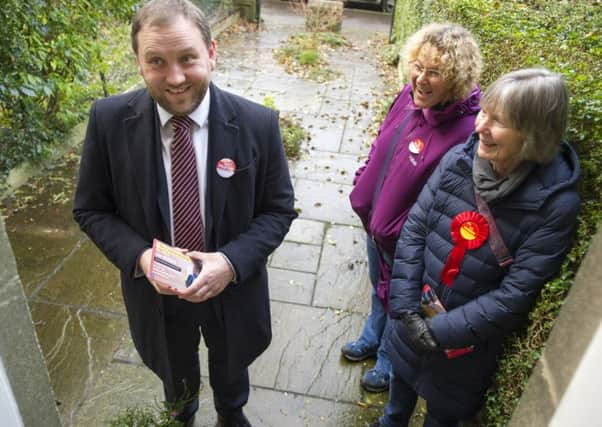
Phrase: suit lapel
pixel 223 134
pixel 144 146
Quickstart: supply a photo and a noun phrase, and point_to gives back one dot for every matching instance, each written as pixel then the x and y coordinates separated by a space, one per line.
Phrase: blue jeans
pixel 377 320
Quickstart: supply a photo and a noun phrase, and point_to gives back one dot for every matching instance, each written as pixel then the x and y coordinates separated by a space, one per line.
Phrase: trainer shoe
pixel 375 381
pixel 356 351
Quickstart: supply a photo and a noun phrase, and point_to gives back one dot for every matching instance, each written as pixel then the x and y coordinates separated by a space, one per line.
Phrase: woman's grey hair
pixel 457 57
pixel 162 12
pixel 534 101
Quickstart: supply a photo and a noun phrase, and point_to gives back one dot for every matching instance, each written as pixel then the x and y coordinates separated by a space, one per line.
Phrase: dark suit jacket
pixel 121 202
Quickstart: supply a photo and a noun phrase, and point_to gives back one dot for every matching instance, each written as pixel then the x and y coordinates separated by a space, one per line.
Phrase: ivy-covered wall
pixel 409 16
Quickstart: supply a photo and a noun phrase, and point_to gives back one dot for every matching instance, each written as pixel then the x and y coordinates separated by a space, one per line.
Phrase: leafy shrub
pixel 291 132
pixel 564 37
pixel 270 102
pixel 292 137
pixel 391 54
pixel 50 51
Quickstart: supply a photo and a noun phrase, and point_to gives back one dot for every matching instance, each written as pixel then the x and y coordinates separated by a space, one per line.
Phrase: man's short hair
pixel 534 101
pixel 162 12
pixel 458 57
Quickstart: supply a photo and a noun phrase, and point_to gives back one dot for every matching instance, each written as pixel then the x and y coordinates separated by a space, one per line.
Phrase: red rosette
pixel 469 230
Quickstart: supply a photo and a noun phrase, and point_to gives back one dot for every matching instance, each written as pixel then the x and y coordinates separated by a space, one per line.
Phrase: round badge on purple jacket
pixel 225 168
pixel 416 146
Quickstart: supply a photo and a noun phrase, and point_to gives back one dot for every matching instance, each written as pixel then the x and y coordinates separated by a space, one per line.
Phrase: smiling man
pixel 189 164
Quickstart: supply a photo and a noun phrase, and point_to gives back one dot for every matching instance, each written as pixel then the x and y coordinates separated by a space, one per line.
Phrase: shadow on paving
pixel 318 279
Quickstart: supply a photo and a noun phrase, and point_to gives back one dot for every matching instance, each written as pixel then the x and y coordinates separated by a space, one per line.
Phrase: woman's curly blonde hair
pixel 457 55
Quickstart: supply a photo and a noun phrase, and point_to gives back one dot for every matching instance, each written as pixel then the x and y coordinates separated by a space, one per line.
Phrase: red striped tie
pixel 187 220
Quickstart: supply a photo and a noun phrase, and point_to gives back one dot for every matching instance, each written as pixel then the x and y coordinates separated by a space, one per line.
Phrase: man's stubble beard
pixel 167 105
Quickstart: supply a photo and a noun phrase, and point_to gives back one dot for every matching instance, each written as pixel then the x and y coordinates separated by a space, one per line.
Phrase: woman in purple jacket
pixel 433 112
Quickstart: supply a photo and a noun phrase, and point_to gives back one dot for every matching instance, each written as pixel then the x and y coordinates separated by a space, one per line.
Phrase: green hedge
pixel 53 60
pixel 564 37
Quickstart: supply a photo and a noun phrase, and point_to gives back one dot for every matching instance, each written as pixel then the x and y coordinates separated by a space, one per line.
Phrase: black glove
pixel 418 332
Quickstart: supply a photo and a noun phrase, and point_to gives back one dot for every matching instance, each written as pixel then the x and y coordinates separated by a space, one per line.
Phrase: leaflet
pixel 170 267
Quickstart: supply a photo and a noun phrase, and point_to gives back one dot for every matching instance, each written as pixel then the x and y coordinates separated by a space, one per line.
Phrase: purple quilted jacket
pixel 426 136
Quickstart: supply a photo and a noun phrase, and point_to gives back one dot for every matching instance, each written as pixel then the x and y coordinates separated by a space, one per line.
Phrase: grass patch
pixel 292 137
pixel 143 417
pixel 305 55
pixel 291 131
pixel 309 57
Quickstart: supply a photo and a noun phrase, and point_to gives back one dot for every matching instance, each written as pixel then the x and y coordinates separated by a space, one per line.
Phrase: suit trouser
pixel 182 323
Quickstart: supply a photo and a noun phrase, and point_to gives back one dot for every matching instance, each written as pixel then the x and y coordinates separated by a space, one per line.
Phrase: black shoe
pixel 237 419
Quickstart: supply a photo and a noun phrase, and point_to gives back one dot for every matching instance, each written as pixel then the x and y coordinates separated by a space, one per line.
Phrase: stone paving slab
pixel 294 101
pixel 280 83
pixel 296 256
pixel 342 280
pixel 291 286
pixel 35 229
pixel 77 346
pixel 340 89
pixel 108 399
pixel 83 284
pixel 324 201
pixel 327 167
pixel 325 132
pixel 306 231
pixel 304 356
pixel 278 409
pixel 245 76
pixel 334 107
pixel 356 140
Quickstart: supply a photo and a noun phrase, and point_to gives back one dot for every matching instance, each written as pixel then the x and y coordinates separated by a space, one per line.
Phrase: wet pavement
pixel 318 276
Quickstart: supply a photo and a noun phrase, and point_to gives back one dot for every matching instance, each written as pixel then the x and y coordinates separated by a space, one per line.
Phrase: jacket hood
pixel 560 174
pixel 463 107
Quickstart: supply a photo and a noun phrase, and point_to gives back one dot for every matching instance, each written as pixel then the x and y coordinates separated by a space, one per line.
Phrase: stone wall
pixel 26 373
pixel 564 381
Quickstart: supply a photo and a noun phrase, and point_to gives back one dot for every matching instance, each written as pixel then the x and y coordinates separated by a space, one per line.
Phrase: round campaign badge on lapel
pixel 225 168
pixel 416 146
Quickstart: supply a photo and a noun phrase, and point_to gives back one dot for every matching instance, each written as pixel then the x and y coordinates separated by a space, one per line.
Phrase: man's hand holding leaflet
pixel 170 267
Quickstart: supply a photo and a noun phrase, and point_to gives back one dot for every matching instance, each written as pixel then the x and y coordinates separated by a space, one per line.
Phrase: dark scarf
pixel 489 186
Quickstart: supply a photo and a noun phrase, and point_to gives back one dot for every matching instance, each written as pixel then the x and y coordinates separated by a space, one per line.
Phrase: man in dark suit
pixel 128 194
